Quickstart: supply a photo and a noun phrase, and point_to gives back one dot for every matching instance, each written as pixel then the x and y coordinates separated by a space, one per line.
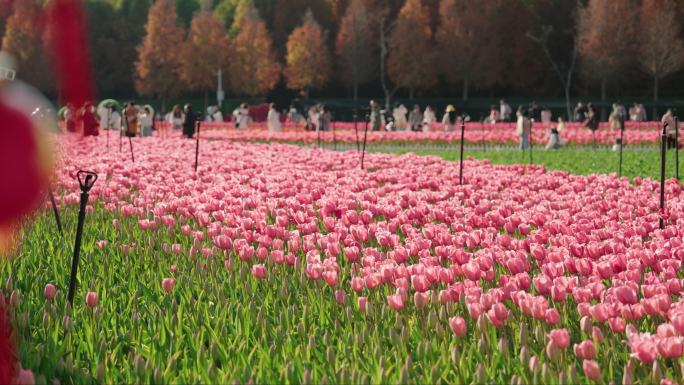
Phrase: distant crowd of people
pixel 134 120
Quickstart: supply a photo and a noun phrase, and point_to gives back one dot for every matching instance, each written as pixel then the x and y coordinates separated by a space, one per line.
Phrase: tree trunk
pixel 465 88
pixel 604 84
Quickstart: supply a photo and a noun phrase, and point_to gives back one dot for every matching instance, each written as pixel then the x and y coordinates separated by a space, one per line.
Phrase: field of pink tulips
pixel 644 133
pixel 276 263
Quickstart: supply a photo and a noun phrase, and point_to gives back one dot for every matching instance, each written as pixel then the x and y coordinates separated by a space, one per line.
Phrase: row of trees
pixel 168 47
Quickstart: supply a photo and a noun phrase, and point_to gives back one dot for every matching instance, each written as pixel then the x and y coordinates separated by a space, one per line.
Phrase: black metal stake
pixel 622 143
pixel 130 144
pixel 460 168
pixel 530 140
pixel 54 209
pixel 356 130
pixel 663 157
pixel 197 127
pixel 365 137
pixel 318 132
pixel 676 124
pixel 86 185
pixel 334 137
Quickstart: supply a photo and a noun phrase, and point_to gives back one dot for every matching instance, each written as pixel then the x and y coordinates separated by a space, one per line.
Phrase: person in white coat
pixel 241 116
pixel 399 114
pixel 428 118
pixel 273 119
pixel 146 121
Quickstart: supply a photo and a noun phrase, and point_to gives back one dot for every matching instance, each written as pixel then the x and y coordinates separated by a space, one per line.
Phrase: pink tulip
pixel 552 317
pixel 167 284
pixel 591 370
pixel 560 338
pixel 50 292
pixel 585 350
pixel 458 326
pixel 259 271
pixel 339 296
pixel 24 377
pixel 362 302
pixel 91 299
pixel 670 347
pixel 421 299
pixel 395 302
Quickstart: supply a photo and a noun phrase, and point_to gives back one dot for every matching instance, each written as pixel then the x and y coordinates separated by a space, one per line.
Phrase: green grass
pixel 575 160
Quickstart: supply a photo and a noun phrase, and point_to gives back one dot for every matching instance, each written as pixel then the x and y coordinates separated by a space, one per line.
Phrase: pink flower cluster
pixel 513 241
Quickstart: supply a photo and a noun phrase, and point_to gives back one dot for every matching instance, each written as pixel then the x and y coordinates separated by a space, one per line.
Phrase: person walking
pixel 375 118
pixel 415 118
pixel 399 114
pixel 273 118
pixel 324 118
pixel 241 117
pixel 523 128
pixel 505 111
pixel 146 121
pixel 189 122
pixel 555 141
pixel 89 121
pixel 449 119
pixel 131 121
pixel 494 115
pixel 428 118
pixel 670 131
pixel 591 118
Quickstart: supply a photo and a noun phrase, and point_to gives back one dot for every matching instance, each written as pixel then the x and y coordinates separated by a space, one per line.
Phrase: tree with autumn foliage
pixel 661 50
pixel 607 40
pixel 24 38
pixel 159 64
pixel 410 61
pixel 308 60
pixel 355 46
pixel 253 67
pixel 204 53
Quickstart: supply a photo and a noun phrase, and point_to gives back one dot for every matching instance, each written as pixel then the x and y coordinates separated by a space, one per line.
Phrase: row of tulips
pixel 577 262
pixel 473 134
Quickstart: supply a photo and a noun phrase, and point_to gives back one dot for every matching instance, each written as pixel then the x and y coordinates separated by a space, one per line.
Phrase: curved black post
pixel 86 185
pixel 334 136
pixel 54 209
pixel 130 143
pixel 663 157
pixel 530 139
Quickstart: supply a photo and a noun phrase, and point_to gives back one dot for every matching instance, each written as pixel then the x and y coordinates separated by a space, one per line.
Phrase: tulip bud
pixel 523 335
pixel 403 378
pixel 524 354
pixel 480 374
pixel 482 345
pixel 503 347
pixel 539 334
pixel 513 380
pixel 101 373
pixel 482 324
pixel 628 373
pixel 308 377
pixel 534 364
pixel 330 355
pixel 545 372
pixel 454 356
pixel 656 374
pixel 432 318
pixel 561 377
pixel 572 374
